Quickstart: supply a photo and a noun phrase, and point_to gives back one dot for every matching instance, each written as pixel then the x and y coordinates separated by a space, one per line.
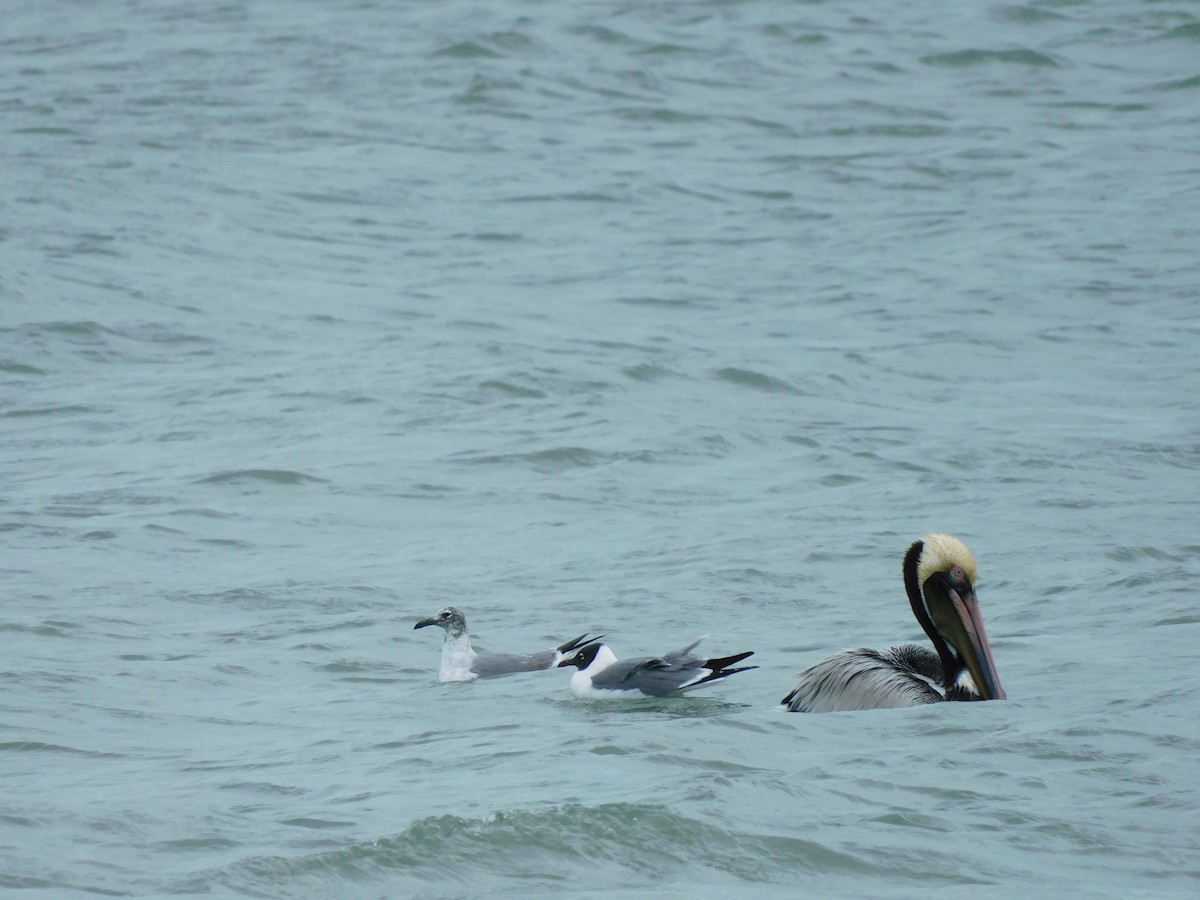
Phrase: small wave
pixel 651 372
pixel 1188 32
pixel 40 747
pixel 72 409
pixel 967 58
pixel 16 368
pixel 556 459
pixel 467 50
pixel 41 630
pixel 512 390
pixel 269 476
pixel 1183 84
pixel 558 846
pixel 756 380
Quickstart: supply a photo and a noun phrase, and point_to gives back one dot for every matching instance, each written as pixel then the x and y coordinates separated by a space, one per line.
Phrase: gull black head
pixel 451 618
pixel 939 575
pixel 583 658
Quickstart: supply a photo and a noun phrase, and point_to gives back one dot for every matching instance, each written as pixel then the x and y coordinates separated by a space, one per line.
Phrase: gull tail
pixel 720 668
pixel 582 641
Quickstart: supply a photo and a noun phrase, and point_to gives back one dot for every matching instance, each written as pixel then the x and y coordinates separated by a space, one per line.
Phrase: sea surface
pixel 656 319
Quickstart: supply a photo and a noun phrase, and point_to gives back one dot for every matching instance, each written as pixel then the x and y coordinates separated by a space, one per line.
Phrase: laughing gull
pixel 602 675
pixel 460 662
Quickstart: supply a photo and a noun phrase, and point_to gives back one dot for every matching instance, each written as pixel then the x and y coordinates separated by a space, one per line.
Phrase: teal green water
pixel 652 319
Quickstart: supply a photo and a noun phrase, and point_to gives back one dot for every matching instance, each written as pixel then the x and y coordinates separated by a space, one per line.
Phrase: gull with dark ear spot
pixel 602 676
pixel 939 577
pixel 460 662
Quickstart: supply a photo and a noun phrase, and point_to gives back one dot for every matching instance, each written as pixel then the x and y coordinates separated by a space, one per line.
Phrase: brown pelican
pixel 939 576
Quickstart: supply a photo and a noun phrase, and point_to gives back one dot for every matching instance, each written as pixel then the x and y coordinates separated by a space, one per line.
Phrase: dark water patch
pixel 264 787
pixel 46 630
pixel 602 35
pixel 475 325
pixel 466 50
pixel 755 380
pixel 659 115
pixel 40 747
pixel 557 459
pixel 16 368
pixel 665 302
pixel 345 667
pixel 1188 32
pixel 261 476
pixel 47 131
pixel 1027 15
pixel 192 845
pixel 511 390
pixel 802 441
pixel 1177 620
pixel 1063 503
pixel 343 625
pixel 68 410
pixel 651 372
pixel 20 821
pixel 750 575
pixel 97 503
pixel 899 130
pixel 669 49
pixel 98 536
pixel 27 882
pixel 317 824
pixel 1134 554
pixel 1185 456
pixel 81 331
pixel 232 543
pixel 1182 84
pixel 970 58
pixel 209 765
pixel 569 197
pixel 247 597
pixel 908 818
pixel 425 490
pixel 203 513
pixel 495 237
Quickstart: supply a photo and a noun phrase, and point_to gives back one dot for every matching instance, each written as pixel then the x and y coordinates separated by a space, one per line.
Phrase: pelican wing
pixel 906 675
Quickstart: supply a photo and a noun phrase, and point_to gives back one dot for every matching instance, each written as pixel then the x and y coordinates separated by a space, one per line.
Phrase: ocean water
pixel 657 319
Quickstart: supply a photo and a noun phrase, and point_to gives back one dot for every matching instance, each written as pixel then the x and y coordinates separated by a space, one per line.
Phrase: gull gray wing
pixel 488 665
pixel 651 675
pixel 679 656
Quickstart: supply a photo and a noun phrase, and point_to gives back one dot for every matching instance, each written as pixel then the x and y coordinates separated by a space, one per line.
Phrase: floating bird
pixel 939 576
pixel 602 675
pixel 460 662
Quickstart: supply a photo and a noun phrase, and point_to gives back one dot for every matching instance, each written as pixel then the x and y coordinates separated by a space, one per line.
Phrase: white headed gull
pixel 460 662
pixel 602 675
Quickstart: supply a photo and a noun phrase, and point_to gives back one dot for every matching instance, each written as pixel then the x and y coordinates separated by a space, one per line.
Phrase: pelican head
pixel 939 575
